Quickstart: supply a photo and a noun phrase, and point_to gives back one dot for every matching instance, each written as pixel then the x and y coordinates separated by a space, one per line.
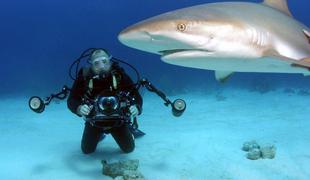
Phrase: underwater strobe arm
pixel 37 104
pixel 178 106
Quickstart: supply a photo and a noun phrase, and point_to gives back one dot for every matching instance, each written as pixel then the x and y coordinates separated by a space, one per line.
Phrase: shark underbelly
pixel 263 64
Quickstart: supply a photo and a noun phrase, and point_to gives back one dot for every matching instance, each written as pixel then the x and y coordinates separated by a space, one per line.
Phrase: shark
pixel 226 37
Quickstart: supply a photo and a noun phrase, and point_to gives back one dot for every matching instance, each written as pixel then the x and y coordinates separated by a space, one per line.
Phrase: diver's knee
pixel 128 149
pixel 87 150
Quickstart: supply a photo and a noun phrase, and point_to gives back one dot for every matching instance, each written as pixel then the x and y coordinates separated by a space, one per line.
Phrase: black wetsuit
pixel 92 134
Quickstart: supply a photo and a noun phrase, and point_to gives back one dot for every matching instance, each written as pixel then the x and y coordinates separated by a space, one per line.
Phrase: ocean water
pixel 40 40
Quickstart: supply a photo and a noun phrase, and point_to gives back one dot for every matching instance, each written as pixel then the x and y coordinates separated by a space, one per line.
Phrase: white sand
pixel 205 143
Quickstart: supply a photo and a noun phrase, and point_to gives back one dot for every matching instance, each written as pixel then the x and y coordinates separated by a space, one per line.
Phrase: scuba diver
pixel 107 99
pixel 104 78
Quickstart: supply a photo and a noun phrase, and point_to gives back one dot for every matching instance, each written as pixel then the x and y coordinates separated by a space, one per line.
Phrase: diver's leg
pixel 90 139
pixel 124 138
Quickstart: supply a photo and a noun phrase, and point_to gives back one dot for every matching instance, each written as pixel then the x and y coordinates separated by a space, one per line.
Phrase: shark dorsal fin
pixel 280 5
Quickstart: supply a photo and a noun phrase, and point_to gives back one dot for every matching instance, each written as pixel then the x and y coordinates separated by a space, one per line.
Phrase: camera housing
pixel 110 108
pixel 108 104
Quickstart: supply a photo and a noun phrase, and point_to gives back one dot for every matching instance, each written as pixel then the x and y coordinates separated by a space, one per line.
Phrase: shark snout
pixel 142 38
pixel 132 37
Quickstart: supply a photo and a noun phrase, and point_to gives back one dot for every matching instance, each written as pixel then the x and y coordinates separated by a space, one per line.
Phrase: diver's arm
pixel 76 94
pixel 138 99
pixel 128 85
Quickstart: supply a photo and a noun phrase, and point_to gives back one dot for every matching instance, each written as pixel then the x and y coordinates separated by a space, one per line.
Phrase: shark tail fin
pixel 280 5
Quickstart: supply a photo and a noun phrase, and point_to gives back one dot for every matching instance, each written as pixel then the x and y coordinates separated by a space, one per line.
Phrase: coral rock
pixel 268 152
pixel 122 170
pixel 254 154
pixel 248 146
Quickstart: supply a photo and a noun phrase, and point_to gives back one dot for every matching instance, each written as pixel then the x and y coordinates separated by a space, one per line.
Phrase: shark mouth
pixel 175 51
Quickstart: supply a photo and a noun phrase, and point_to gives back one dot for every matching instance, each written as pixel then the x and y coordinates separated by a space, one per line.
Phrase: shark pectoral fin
pixel 306 74
pixel 305 63
pixel 307 34
pixel 222 76
pixel 280 5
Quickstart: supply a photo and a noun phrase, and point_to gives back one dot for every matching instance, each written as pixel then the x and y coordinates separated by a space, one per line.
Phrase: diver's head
pixel 100 61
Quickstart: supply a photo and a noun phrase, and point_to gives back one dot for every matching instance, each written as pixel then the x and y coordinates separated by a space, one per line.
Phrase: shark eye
pixel 181 27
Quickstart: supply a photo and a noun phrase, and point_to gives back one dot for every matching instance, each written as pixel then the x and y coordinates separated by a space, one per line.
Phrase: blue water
pixel 40 39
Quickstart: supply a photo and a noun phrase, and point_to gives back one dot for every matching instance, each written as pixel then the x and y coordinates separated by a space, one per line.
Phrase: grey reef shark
pixel 226 37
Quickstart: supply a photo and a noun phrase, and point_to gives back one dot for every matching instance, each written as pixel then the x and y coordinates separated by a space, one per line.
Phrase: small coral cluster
pixel 122 170
pixel 255 151
pixel 262 86
pixel 220 97
pixel 301 92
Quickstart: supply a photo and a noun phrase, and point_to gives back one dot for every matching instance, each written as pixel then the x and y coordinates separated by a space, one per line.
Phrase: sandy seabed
pixel 204 143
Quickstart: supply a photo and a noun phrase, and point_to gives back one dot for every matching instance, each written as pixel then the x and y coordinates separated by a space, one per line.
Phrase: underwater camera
pixel 107 106
pixel 109 110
